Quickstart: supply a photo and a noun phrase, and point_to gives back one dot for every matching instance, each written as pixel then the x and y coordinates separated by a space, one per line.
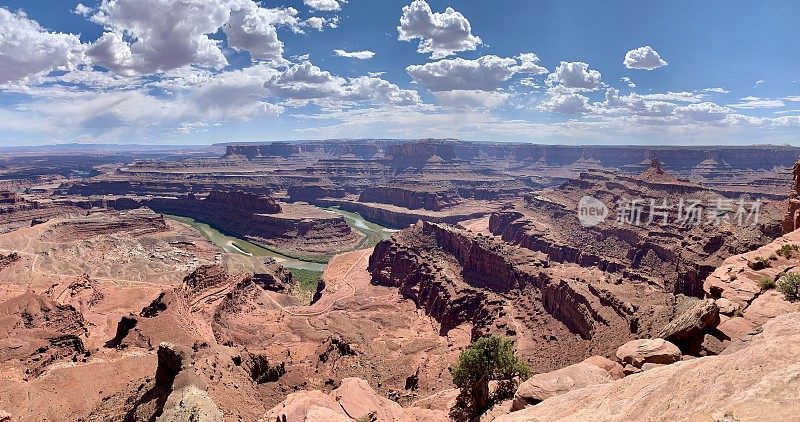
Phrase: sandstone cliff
pixel 36 332
pixel 792 220
pixel 429 198
pixel 558 314
pixel 674 158
pixel 136 222
pixel 667 254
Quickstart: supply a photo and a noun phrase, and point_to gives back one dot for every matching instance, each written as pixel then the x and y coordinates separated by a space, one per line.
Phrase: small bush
pixel 787 250
pixel 773 257
pixel 766 283
pixel 732 277
pixel 759 264
pixel 789 285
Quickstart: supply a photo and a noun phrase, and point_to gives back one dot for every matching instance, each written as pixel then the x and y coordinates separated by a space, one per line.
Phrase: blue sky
pixel 575 72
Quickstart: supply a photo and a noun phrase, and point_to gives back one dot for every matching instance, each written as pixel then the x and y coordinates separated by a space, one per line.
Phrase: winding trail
pixel 327 308
pixel 430 396
pixel 215 294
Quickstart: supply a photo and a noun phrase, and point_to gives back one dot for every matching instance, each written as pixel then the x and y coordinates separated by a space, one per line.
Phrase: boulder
pixel 543 386
pixel 639 352
pixel 298 406
pixel 708 344
pixel 323 414
pixel 353 399
pixel 726 306
pixel 703 315
pixel 613 368
pixel 649 366
pixel 711 345
pixel 358 399
pixel 499 409
pixel 740 290
pixel 736 328
pixel 769 305
pixel 629 369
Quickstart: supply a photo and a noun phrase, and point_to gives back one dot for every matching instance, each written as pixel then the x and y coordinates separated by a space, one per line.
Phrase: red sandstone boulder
pixel 736 328
pixel 767 306
pixel 703 315
pixel 543 386
pixel 639 352
pixel 354 399
pixel 613 368
pixel 726 307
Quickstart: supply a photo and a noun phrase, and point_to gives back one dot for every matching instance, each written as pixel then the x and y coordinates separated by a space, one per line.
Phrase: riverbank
pixel 236 245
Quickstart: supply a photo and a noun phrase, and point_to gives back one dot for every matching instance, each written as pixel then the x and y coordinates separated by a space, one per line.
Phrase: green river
pixel 373 233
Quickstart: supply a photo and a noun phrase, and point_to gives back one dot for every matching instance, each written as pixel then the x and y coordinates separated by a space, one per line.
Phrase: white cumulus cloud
pixel 166 35
pixel 703 112
pixel 151 36
pixel 485 73
pixel 643 58
pixel 565 101
pixel 253 29
pixel 440 34
pixel 324 5
pixel 575 75
pixel 361 55
pixel 319 23
pixel 82 10
pixel 306 82
pixel 28 51
pixel 529 63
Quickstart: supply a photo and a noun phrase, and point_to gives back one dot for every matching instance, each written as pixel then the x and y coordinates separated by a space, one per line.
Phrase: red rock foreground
pixel 760 381
pixel 354 399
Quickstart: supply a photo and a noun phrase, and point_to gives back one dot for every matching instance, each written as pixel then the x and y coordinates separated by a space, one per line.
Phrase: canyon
pixel 418 249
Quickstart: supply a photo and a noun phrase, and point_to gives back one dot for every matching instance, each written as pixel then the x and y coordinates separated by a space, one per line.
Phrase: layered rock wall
pixel 136 222
pixel 792 220
pixel 396 218
pixel 429 199
pixel 414 152
pixel 458 277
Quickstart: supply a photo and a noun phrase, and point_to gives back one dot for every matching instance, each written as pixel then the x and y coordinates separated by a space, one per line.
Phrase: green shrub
pixel 787 250
pixel 490 358
pixel 789 285
pixel 766 283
